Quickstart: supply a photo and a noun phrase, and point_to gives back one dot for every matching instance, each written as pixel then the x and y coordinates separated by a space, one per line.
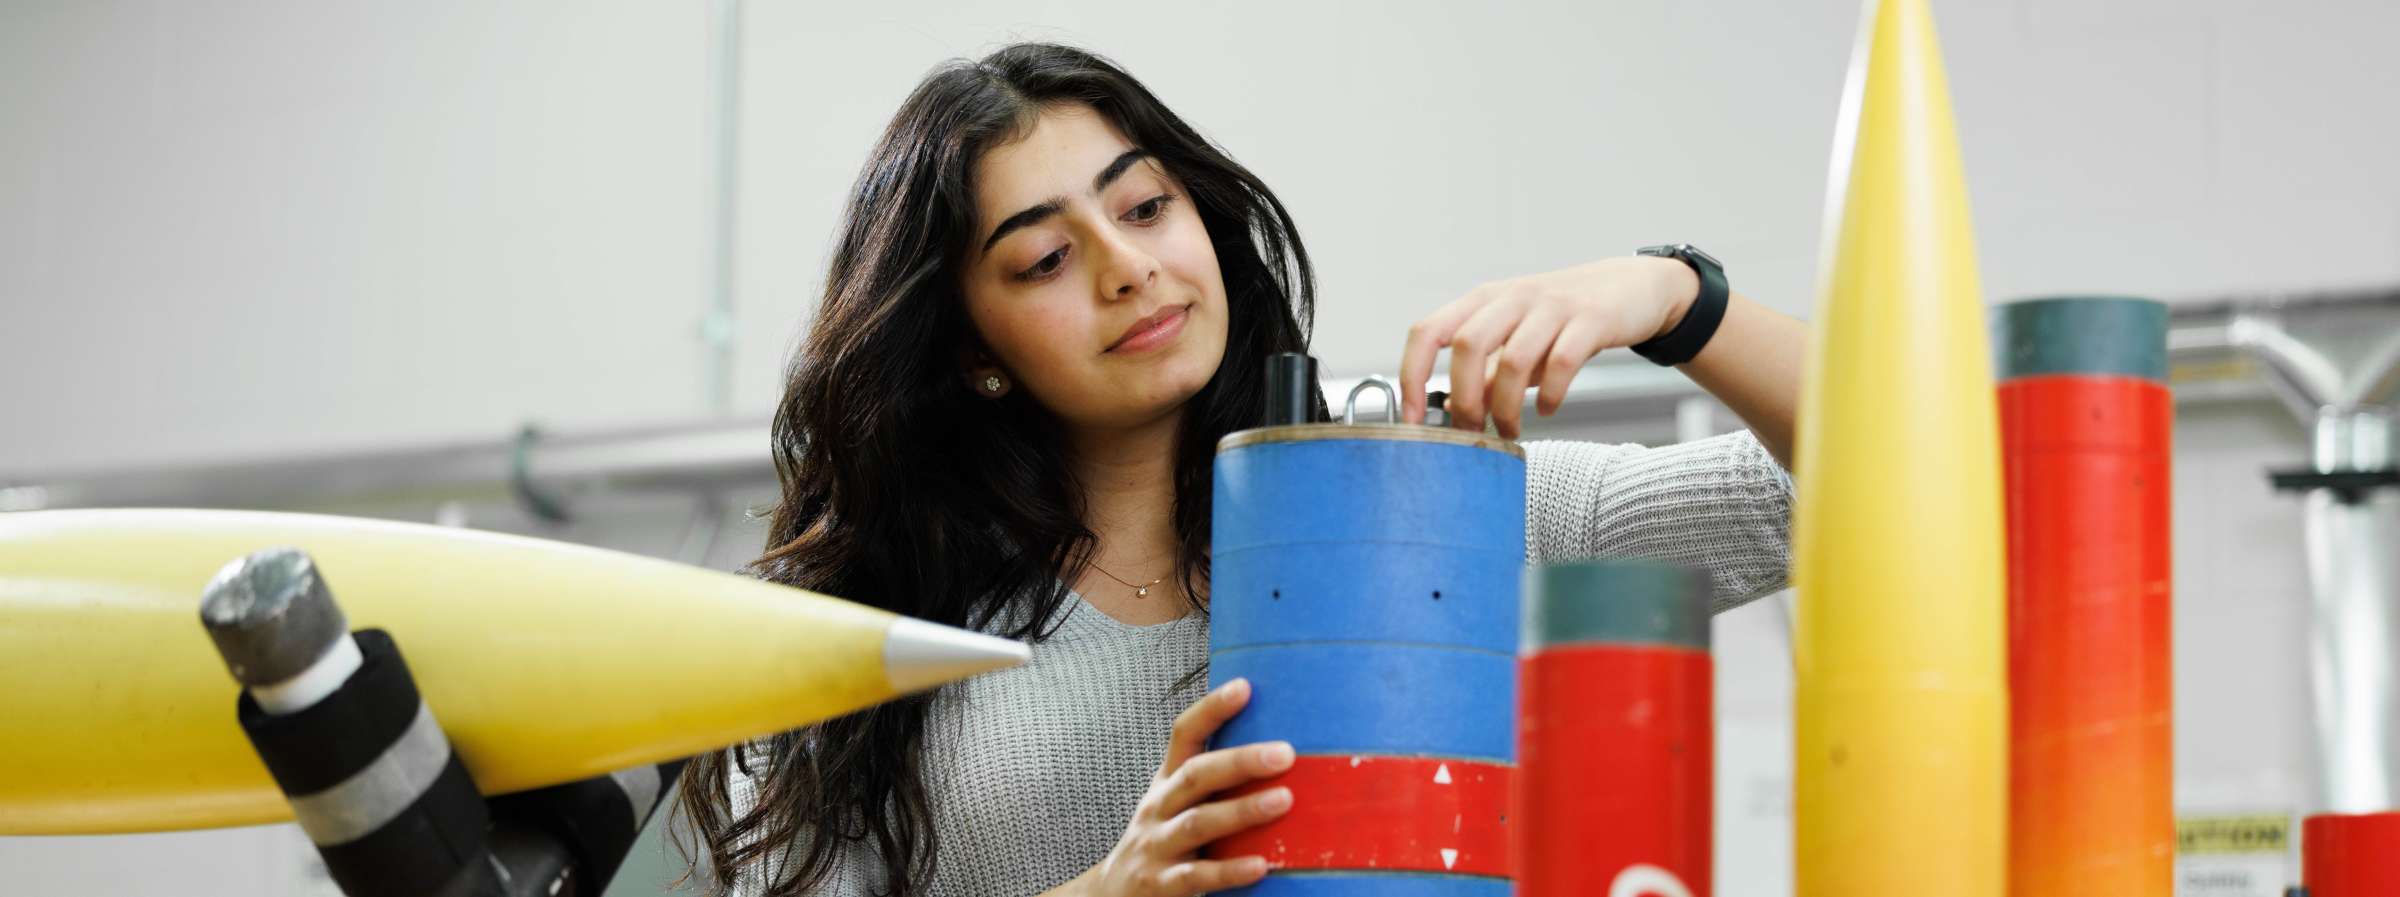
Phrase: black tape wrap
pixel 434 843
pixel 422 848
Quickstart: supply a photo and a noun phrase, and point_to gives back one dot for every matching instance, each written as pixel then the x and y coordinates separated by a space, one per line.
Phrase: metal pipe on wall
pixel 703 456
pixel 2351 529
pixel 725 83
pixel 2354 629
pixel 682 458
pixel 731 454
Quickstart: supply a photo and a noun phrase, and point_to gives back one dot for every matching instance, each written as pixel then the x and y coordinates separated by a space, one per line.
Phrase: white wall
pixel 256 228
pixel 240 228
pixel 2166 149
pixel 249 228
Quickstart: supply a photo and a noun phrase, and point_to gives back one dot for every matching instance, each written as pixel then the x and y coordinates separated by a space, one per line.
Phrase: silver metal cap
pixel 271 616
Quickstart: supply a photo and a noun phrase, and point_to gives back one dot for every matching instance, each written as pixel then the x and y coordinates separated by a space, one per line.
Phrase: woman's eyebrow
pixel 1057 204
pixel 1025 218
pixel 1117 168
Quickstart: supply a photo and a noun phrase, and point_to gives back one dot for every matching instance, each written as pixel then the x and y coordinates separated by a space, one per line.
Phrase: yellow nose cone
pixel 1901 706
pixel 544 662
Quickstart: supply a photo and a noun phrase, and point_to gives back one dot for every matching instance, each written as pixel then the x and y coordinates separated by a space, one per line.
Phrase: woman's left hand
pixel 1509 335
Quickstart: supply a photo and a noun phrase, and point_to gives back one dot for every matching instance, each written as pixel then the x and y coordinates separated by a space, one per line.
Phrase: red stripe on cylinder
pixel 2091 766
pixel 2351 855
pixel 1413 814
pixel 1614 770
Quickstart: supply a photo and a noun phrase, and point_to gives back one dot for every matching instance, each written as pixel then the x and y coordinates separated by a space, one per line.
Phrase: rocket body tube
pixel 1615 751
pixel 1365 580
pixel 2086 423
pixel 2350 854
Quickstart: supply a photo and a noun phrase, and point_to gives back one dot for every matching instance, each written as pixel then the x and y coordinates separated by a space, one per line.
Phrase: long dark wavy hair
pixel 904 490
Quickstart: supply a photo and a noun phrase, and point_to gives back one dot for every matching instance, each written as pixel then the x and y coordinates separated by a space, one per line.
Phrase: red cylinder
pixel 1409 814
pixel 2345 855
pixel 1614 740
pixel 2086 455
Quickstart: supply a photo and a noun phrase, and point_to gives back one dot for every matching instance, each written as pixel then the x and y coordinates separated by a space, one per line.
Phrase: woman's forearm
pixel 1753 365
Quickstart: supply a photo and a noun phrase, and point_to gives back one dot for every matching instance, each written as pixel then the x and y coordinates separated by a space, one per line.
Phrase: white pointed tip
pixel 1449 858
pixel 918 655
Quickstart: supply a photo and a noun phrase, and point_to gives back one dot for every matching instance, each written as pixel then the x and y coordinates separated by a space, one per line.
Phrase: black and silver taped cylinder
pixel 373 781
pixel 337 720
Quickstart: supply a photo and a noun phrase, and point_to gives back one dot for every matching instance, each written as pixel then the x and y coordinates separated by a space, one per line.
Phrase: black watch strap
pixel 1684 341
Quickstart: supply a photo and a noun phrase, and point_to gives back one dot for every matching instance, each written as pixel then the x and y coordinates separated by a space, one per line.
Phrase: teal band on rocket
pixel 2081 335
pixel 1615 602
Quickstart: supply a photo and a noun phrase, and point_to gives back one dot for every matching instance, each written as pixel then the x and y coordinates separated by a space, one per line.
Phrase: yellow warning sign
pixel 2200 835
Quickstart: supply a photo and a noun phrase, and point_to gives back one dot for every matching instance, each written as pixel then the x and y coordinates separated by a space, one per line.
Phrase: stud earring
pixel 992 385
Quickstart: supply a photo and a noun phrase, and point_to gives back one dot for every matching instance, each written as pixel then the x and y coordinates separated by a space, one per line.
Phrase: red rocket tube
pixel 1614 733
pixel 2086 423
pixel 2351 855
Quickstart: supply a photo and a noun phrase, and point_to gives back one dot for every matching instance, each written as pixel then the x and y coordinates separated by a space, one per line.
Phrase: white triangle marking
pixel 1441 774
pixel 1449 858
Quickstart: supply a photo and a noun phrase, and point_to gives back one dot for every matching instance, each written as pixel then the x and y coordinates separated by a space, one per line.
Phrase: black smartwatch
pixel 1680 344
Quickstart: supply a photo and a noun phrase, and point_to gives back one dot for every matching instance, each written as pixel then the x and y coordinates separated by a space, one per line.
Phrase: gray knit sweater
pixel 1034 771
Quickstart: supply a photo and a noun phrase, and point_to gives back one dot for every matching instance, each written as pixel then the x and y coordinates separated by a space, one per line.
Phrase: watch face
pixel 1684 251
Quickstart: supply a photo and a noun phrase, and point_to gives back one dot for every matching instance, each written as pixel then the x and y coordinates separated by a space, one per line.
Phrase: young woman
pixel 1050 298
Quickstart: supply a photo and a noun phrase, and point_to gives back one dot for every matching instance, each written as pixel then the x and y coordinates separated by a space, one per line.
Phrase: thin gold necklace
pixel 1138 591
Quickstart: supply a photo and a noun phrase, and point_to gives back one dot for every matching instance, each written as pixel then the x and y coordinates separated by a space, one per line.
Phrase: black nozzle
pixel 1291 389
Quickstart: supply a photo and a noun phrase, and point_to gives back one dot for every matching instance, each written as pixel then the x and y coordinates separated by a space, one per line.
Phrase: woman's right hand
pixel 1159 854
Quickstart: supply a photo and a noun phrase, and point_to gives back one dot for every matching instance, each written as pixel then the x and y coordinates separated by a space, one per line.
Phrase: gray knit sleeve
pixel 1721 504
